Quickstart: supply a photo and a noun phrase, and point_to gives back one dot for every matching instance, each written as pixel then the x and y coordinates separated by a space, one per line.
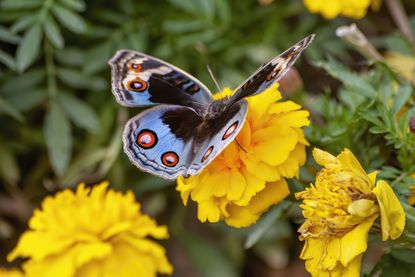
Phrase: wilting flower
pixel 10 273
pixel 330 9
pixel 248 176
pixel 92 232
pixel 339 211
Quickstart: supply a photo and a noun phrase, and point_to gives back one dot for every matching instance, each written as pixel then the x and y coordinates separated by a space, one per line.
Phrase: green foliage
pixel 61 125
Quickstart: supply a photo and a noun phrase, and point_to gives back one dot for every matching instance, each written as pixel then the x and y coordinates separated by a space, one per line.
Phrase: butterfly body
pixel 187 128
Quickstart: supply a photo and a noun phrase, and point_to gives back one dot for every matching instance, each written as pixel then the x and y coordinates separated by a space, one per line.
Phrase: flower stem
pixel 50 70
pixel 400 17
pixel 358 40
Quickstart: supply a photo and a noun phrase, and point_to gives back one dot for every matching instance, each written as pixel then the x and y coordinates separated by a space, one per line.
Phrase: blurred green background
pixel 60 124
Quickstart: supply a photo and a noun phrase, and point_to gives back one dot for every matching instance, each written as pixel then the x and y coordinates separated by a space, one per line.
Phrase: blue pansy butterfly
pixel 186 129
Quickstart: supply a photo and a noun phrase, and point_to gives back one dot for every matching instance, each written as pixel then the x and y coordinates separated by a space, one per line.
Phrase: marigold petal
pixel 208 210
pixel 241 216
pixel 392 214
pixel 284 107
pixel 38 245
pixel 267 150
pixel 347 159
pixel 354 242
pixel 254 185
pixel 236 186
pixel 324 158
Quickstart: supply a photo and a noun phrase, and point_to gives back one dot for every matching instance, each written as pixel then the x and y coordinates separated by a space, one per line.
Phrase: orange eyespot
pixel 207 154
pixel 230 130
pixel 274 73
pixel 147 139
pixel 137 85
pixel 170 159
pixel 135 67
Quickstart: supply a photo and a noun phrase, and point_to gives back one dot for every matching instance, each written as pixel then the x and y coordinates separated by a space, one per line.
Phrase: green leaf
pixel 52 32
pixel 7 36
pixel 207 259
pixel 29 47
pixel 6 108
pixel 351 80
pixel 69 19
pixel 9 169
pixel 76 79
pixel 20 4
pixel 256 232
pixel 23 23
pixel 7 60
pixel 75 5
pixel 25 81
pixel 405 91
pixel 71 56
pixel 57 132
pixel 79 112
pixel 26 100
pixel 97 57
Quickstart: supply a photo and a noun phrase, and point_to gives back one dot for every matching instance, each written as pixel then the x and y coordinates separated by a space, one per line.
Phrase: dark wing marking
pixel 271 72
pixel 141 80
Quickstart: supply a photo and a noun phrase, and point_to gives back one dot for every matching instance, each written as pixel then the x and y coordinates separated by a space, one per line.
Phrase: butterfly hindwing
pixel 218 136
pixel 170 140
pixel 272 71
pixel 160 140
pixel 142 80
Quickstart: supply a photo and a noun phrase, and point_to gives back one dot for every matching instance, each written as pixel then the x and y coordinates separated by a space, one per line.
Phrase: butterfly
pixel 187 128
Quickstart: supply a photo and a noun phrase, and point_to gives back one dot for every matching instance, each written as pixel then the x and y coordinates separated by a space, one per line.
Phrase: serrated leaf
pixel 29 48
pixel 7 60
pixel 69 19
pixel 404 92
pixel 207 259
pixel 79 112
pixel 58 136
pixel 75 5
pixel 52 32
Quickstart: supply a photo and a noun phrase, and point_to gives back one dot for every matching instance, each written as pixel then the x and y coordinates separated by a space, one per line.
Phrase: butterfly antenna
pixel 243 149
pixel 213 77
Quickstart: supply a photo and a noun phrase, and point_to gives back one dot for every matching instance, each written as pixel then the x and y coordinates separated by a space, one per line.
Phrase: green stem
pixel 400 17
pixel 50 70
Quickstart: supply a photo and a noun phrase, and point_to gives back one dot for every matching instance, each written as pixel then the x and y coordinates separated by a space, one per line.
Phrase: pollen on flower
pixel 92 232
pixel 249 175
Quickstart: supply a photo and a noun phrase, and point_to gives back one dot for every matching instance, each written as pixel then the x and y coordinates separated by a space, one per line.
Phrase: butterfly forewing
pixel 271 72
pixel 188 130
pixel 142 80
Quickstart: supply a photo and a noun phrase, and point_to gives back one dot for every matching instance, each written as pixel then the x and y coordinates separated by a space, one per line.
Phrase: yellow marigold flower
pixel 411 198
pixel 92 232
pixel 339 211
pixel 10 272
pixel 246 179
pixel 330 9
